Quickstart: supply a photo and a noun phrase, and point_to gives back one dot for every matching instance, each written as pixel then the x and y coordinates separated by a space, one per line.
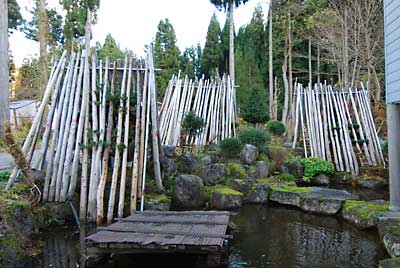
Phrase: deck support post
pixel 393 122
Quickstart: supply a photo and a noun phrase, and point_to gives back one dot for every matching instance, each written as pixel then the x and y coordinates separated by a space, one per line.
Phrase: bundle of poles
pixel 90 111
pixel 214 100
pixel 337 125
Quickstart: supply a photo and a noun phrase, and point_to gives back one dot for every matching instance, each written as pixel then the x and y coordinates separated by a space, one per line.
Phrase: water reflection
pixel 280 238
pixel 272 237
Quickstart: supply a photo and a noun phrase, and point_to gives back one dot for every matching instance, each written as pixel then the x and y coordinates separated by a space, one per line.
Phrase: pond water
pixel 267 236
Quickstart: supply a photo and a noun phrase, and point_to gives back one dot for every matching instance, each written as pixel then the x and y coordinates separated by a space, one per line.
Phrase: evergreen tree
pixel 166 54
pixel 55 21
pixel 109 49
pixel 211 58
pixel 190 61
pixel 224 65
pixel 75 19
pixel 15 20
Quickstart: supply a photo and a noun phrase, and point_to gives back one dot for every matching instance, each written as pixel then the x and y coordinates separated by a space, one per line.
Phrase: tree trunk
pixel 271 70
pixel 4 101
pixel 231 42
pixel 309 62
pixel 318 65
pixel 43 42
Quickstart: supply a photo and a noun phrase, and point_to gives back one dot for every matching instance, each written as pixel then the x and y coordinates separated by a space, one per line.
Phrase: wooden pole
pixel 135 171
pixel 126 139
pixel 106 155
pixel 117 155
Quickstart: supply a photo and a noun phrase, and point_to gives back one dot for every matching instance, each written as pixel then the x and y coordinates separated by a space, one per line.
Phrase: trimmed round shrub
pixel 276 128
pixel 256 137
pixel 231 147
pixel 315 166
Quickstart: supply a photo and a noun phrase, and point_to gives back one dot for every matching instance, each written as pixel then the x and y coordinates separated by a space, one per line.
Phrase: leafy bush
pixel 192 124
pixel 315 166
pixel 276 128
pixel 4 175
pixel 255 136
pixel 287 177
pixel 231 147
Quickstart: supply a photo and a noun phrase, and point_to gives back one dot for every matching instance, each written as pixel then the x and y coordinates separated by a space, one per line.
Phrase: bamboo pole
pixel 136 153
pixel 146 141
pixel 126 139
pixel 154 124
pixel 50 118
pixel 94 173
pixel 54 138
pixel 37 120
pixel 64 139
pixel 72 137
pixel 117 155
pixel 63 120
pixel 143 122
pixel 106 155
pixel 85 164
pixel 84 111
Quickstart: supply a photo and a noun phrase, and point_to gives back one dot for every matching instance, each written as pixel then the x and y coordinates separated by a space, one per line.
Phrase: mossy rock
pixel 224 198
pixel 389 232
pixel 158 202
pixel 375 171
pixel 370 182
pixel 390 263
pixel 364 214
pixel 236 170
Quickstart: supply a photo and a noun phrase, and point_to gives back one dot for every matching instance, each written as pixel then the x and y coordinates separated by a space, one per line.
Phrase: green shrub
pixel 385 148
pixel 231 147
pixel 276 128
pixel 4 175
pixel 315 166
pixel 287 177
pixel 192 124
pixel 255 136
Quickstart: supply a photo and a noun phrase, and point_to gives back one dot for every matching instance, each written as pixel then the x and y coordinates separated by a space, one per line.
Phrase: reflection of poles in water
pixel 82 237
pixel 60 252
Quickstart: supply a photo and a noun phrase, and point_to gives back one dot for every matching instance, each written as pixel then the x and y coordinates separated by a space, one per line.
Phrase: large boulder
pixel 225 198
pixel 157 202
pixel 296 168
pixel 325 201
pixel 389 232
pixel 320 180
pixel 187 163
pixel 364 214
pixel 168 165
pixel 188 192
pixel 261 171
pixel 242 185
pixel 249 154
pixel 371 182
pixel 213 174
pixel 259 194
pixel 341 178
pixel 169 150
pixel 311 199
pixel 390 263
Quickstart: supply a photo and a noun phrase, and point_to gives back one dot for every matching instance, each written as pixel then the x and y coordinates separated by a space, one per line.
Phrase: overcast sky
pixel 133 23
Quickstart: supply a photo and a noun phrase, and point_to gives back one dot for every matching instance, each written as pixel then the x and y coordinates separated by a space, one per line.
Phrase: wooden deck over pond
pixel 197 232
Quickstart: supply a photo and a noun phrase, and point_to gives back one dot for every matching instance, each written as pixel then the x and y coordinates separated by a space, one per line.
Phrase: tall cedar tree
pixel 109 49
pixel 15 20
pixel 212 54
pixel 166 55
pixel 230 5
pixel 75 19
pixel 189 62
